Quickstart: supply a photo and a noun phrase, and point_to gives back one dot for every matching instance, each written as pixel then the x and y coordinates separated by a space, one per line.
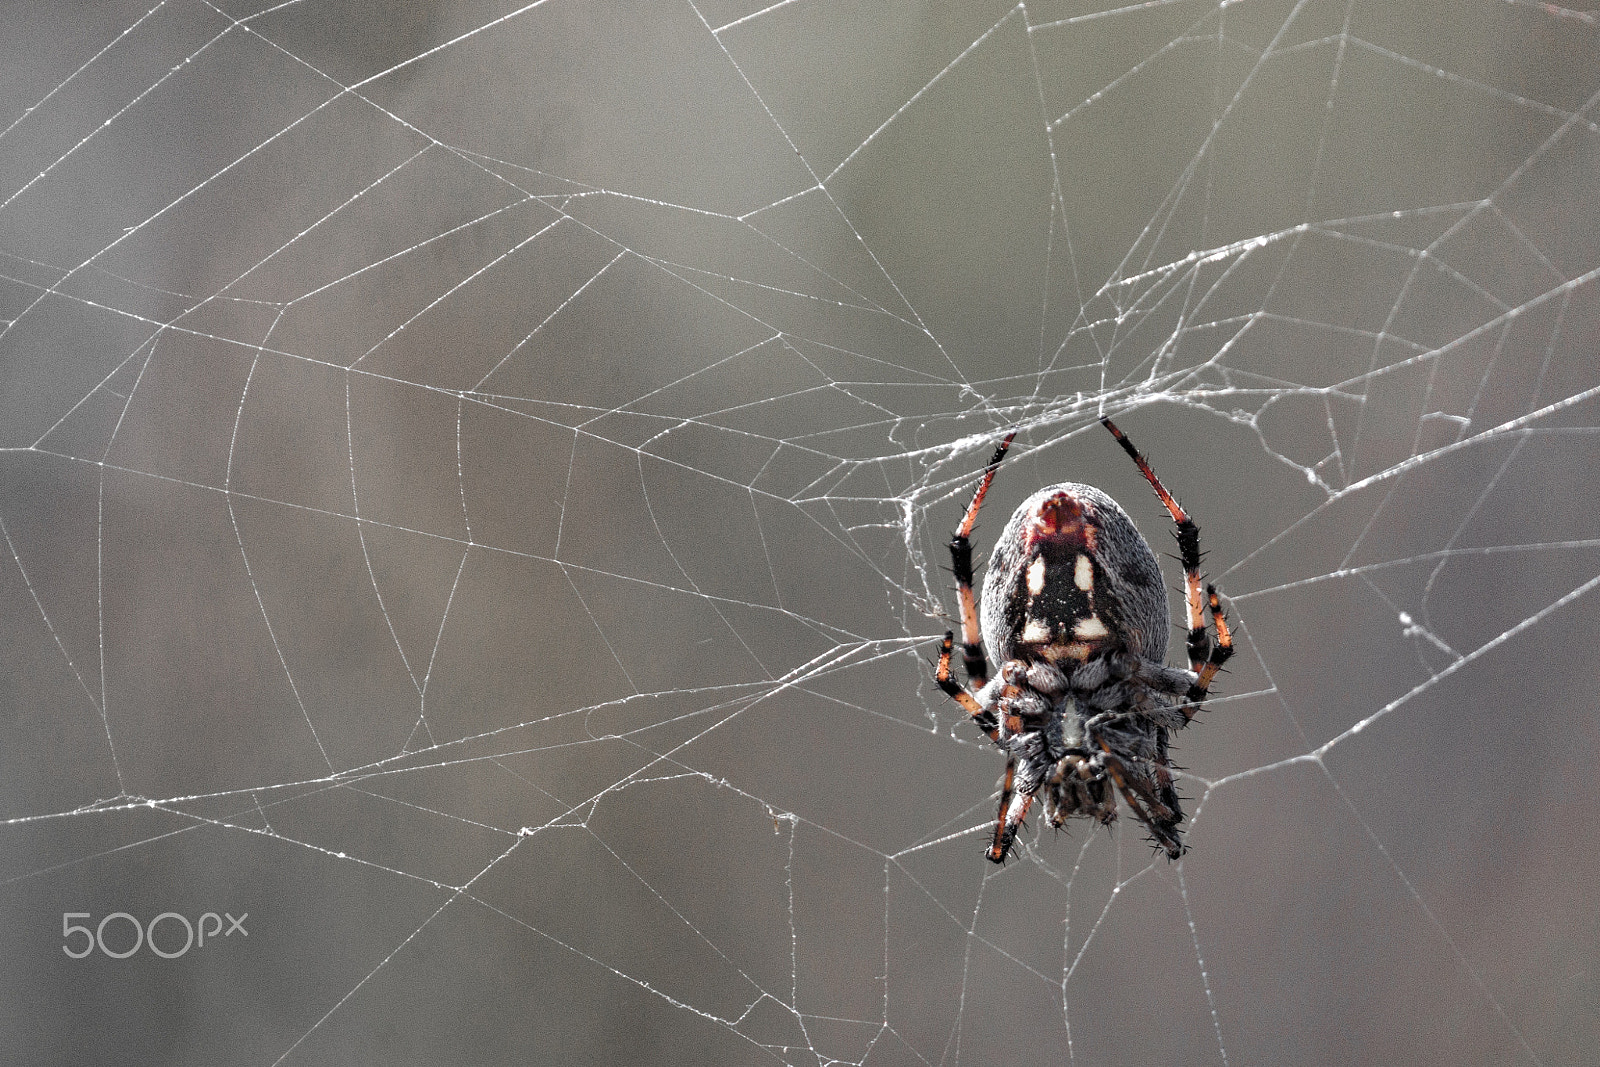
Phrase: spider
pixel 1074 612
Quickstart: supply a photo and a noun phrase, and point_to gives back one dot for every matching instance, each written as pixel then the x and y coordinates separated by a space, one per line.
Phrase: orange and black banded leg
pixel 1198 643
pixel 1013 809
pixel 972 658
pixel 1218 656
pixel 954 690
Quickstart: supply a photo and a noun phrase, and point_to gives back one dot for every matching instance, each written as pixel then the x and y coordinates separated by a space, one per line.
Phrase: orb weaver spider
pixel 1074 612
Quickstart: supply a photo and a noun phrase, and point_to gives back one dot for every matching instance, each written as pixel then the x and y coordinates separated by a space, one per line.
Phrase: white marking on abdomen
pixel 1036 575
pixel 1083 573
pixel 1090 627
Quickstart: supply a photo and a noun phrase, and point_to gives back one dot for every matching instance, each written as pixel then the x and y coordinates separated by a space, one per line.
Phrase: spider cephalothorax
pixel 1074 612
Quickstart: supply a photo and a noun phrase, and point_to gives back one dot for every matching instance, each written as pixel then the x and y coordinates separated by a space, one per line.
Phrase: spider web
pixel 474 480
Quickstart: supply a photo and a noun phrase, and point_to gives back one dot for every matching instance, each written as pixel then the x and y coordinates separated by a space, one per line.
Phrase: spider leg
pixel 1219 654
pixel 1161 820
pixel 1013 809
pixel 1163 776
pixel 1149 805
pixel 1199 645
pixel 955 691
pixel 972 657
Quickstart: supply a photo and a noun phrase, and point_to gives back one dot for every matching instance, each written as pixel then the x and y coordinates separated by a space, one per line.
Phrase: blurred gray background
pixel 474 481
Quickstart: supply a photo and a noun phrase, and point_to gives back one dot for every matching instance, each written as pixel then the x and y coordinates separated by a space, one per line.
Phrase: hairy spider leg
pixel 1204 657
pixel 1013 809
pixel 1007 821
pixel 1165 787
pixel 1219 653
pixel 954 690
pixel 972 658
pixel 1199 645
pixel 1161 820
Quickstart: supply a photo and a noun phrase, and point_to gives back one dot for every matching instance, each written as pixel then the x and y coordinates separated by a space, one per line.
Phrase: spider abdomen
pixel 1071 578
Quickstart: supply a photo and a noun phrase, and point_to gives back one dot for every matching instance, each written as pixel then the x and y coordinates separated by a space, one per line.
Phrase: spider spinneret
pixel 1074 612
